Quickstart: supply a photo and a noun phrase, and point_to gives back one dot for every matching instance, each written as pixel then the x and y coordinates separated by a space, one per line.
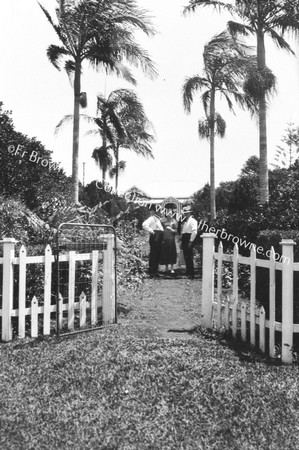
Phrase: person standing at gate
pixel 189 232
pixel 154 227
pixel 169 252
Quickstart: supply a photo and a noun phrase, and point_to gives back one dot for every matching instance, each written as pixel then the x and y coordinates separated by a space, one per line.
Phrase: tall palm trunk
pixel 117 168
pixel 263 164
pixel 104 142
pixel 212 156
pixel 104 170
pixel 76 131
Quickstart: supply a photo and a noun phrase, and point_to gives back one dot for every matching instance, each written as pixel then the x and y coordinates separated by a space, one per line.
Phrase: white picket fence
pixel 106 301
pixel 232 313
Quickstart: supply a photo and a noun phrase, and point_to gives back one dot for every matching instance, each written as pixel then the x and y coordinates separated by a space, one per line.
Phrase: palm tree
pixel 139 133
pixel 122 123
pixel 116 170
pixel 103 159
pixel 226 63
pixel 261 17
pixel 101 32
pixel 109 126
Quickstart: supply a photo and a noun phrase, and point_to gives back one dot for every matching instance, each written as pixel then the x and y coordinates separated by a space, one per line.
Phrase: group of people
pixel 162 241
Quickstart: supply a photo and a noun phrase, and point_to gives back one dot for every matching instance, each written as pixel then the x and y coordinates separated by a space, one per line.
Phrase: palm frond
pixel 143 149
pixel 260 82
pixel 109 121
pixel 93 133
pixel 69 119
pixel 118 43
pixel 217 123
pixel 64 121
pixel 279 41
pixel 206 98
pixel 139 58
pixel 225 52
pixel 236 28
pixel 140 20
pixel 50 20
pixel 102 157
pixel 69 67
pixel 190 87
pixel 194 4
pixel 57 28
pixel 120 167
pixel 204 130
pixel 220 125
pixel 285 17
pixel 109 135
pixel 111 65
pixel 55 53
pixel 226 95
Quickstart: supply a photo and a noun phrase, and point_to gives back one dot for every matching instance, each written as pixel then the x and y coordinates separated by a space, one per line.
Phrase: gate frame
pixel 93 225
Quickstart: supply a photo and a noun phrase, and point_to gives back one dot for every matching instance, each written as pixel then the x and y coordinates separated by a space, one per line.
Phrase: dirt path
pixel 161 305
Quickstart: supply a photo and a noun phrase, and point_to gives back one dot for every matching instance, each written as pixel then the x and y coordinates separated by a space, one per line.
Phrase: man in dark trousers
pixel 154 227
pixel 189 232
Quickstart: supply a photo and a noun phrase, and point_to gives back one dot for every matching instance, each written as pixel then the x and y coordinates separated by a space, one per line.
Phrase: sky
pixel 39 96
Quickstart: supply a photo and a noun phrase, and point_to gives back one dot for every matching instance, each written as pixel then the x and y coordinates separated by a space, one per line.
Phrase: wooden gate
pixel 86 277
pixel 32 300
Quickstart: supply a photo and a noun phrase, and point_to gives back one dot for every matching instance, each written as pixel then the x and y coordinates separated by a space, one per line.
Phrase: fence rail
pixel 39 312
pixel 245 318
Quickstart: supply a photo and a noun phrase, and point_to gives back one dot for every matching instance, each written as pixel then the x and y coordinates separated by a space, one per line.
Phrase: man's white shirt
pixel 152 224
pixel 190 226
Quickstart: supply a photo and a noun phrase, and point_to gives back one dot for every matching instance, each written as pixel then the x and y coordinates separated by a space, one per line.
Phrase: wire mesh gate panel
pixel 86 277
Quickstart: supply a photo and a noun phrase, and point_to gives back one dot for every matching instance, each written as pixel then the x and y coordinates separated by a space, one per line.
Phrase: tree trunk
pixel 212 157
pixel 76 130
pixel 104 145
pixel 263 164
pixel 116 171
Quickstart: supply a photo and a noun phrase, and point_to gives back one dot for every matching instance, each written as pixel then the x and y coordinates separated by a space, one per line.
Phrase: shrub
pixel 131 265
pixel 267 239
pixel 19 222
pixel 136 215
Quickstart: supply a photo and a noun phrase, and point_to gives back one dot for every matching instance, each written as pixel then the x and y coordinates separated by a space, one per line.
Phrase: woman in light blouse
pixel 168 252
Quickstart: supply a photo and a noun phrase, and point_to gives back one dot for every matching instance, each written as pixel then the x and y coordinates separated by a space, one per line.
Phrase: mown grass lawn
pixel 119 389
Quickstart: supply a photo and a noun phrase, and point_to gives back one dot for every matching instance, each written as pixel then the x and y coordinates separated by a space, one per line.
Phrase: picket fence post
pixel 7 288
pixel 219 286
pixel 47 290
pixel 287 300
pixel 207 278
pixel 109 282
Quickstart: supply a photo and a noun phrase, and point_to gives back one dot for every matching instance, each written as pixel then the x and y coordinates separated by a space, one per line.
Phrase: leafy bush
pixel 269 238
pixel 136 215
pixel 227 278
pixel 245 225
pixel 19 222
pixel 131 265
pixel 27 171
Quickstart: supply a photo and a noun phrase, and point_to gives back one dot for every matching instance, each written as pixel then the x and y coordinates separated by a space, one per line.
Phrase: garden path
pixel 160 305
